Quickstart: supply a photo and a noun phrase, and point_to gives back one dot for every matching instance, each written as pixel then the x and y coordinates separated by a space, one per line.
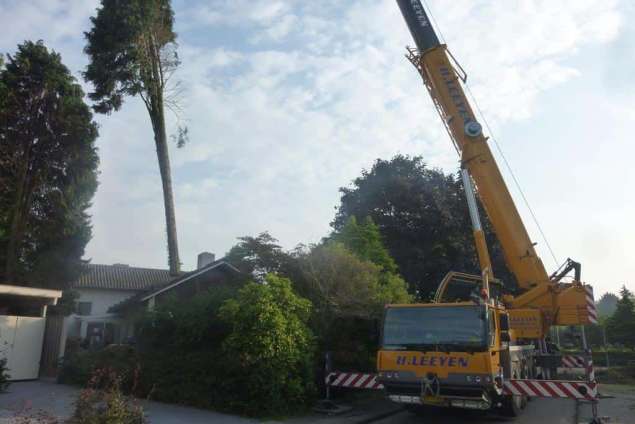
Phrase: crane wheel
pixel 512 406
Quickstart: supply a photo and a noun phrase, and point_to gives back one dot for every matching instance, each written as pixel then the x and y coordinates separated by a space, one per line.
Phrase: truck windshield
pixel 456 328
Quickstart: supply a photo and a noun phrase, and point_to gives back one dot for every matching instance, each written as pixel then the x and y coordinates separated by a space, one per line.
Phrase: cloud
pixel 286 101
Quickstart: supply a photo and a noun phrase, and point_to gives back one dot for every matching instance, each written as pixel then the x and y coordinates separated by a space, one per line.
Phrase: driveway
pixel 57 400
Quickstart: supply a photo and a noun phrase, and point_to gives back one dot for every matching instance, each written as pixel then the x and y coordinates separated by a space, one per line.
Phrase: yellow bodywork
pixel 439 363
pixel 442 364
pixel 559 304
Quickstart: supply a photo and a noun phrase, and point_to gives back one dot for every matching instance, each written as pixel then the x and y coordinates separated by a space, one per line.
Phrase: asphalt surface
pixel 538 411
pixel 28 398
pixel 32 398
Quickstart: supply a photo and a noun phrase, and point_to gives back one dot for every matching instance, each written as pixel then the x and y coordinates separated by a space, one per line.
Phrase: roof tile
pixel 121 277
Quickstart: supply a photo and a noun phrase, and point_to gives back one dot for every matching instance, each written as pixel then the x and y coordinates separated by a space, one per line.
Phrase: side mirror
pixel 505 337
pixel 504 322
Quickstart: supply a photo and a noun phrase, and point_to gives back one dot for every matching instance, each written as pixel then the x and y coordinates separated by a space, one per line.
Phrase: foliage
pixel 132 51
pixel 79 367
pixel 340 284
pixel 348 296
pixel 258 256
pixel 270 348
pixel 617 375
pixel 250 355
pixel 423 218
pixel 365 241
pixel 4 375
pixel 48 172
pixel 607 304
pixel 621 325
pixel 127 41
pixel 183 326
pixel 66 305
pixel 103 402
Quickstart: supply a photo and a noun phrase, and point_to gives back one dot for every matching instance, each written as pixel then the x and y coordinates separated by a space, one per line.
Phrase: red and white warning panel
pixel 590 305
pixel 552 389
pixel 353 380
pixel 573 361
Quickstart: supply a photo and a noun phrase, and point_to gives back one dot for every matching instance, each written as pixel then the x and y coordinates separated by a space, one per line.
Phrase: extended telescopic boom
pixel 442 80
pixel 557 302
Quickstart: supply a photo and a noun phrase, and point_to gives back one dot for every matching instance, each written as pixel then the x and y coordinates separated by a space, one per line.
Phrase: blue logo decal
pixel 433 361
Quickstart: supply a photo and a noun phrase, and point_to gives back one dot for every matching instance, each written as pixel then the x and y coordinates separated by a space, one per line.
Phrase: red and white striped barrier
pixel 353 380
pixel 573 361
pixel 551 389
pixel 590 305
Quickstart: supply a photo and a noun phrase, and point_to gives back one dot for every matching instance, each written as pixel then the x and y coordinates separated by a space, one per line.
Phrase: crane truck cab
pixel 452 353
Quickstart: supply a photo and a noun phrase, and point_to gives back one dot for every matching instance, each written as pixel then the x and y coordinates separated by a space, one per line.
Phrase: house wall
pixel 76 326
pixel 103 299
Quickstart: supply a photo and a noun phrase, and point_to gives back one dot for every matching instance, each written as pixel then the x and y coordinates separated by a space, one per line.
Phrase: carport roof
pixel 7 289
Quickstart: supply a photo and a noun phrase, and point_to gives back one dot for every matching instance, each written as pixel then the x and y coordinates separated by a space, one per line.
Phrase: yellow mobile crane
pixel 458 350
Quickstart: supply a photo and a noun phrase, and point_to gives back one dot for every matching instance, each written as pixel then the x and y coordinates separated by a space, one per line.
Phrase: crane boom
pixel 442 80
pixel 458 350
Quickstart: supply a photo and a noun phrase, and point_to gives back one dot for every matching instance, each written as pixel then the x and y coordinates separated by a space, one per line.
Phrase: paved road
pixel 28 398
pixel 538 411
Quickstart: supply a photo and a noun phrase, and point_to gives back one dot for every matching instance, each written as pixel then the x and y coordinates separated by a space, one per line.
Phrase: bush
pixel 103 402
pixel 79 367
pixel 269 350
pixel 616 358
pixel 617 375
pixel 4 375
pixel 253 357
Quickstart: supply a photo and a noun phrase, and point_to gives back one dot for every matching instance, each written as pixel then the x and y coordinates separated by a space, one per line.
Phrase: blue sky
pixel 287 101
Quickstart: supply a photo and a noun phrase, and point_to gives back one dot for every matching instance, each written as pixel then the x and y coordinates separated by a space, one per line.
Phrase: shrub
pixel 254 356
pixel 103 402
pixel 269 349
pixel 4 375
pixel 79 367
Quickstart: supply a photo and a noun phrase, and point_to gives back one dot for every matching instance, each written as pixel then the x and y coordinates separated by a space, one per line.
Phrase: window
pixel 84 308
pixel 435 327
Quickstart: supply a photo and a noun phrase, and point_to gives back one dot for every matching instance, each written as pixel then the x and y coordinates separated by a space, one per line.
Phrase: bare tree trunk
pixel 160 139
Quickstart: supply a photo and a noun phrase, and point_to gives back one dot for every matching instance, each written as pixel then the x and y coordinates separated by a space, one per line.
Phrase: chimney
pixel 205 258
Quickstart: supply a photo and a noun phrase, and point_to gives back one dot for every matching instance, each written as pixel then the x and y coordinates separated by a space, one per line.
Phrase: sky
pixel 287 101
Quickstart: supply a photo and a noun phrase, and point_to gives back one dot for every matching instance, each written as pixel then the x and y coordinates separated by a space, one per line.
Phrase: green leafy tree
pixel 258 256
pixel 607 304
pixel 49 168
pixel 348 296
pixel 132 51
pixel 621 325
pixel 365 241
pixel 423 218
pixel 271 348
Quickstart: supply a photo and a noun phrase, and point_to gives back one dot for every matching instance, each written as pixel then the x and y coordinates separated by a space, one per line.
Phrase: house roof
pixel 121 277
pixel 213 265
pixel 154 291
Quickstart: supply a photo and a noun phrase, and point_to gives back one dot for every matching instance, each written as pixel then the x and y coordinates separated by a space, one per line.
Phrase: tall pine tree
pixel 48 172
pixel 132 52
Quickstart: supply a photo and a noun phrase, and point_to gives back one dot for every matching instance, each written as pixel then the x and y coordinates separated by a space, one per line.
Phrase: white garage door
pixel 21 343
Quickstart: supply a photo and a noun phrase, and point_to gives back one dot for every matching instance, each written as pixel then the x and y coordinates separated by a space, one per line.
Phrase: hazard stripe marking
pixel 551 388
pixel 353 380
